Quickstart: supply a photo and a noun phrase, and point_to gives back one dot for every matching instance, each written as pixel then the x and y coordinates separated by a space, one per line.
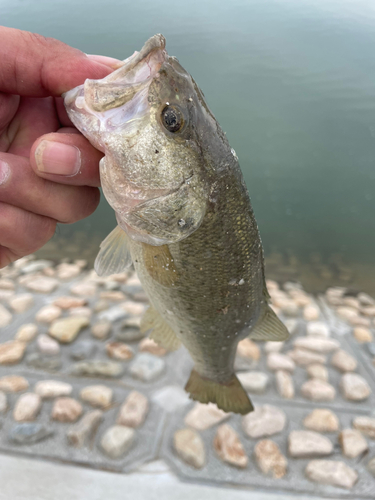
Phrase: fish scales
pixel 184 216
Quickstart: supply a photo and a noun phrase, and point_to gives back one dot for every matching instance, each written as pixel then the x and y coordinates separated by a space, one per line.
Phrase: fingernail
pixel 107 61
pixel 4 172
pixel 57 158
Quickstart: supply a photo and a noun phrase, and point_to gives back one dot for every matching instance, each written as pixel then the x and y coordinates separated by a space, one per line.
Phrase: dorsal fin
pixel 114 255
pixel 162 333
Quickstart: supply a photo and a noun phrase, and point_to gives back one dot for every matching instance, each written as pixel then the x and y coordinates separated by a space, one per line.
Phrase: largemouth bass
pixel 184 216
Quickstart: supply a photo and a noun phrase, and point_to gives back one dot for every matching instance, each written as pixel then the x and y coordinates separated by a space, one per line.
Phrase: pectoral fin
pixel 162 333
pixel 269 327
pixel 114 255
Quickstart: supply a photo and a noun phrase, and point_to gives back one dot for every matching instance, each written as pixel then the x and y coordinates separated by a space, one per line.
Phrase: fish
pixel 184 216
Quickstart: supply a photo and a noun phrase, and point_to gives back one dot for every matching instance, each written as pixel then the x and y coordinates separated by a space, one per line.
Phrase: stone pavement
pixel 79 384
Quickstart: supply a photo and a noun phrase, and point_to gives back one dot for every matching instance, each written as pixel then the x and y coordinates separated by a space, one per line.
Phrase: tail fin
pixel 230 397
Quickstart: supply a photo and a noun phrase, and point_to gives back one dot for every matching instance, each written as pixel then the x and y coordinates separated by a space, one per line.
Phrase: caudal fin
pixel 230 397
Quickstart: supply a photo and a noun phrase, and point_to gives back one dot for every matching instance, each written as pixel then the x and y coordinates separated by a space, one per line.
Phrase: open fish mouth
pixel 119 100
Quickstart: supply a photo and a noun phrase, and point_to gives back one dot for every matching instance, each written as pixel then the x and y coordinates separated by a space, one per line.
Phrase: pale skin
pixel 48 171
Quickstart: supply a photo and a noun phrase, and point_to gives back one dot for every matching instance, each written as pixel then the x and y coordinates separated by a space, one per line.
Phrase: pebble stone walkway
pixel 79 383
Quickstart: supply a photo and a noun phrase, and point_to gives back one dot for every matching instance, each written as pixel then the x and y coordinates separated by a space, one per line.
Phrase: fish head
pixel 149 118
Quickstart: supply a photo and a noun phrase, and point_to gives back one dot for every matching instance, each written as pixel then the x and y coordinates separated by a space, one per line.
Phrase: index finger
pixel 35 66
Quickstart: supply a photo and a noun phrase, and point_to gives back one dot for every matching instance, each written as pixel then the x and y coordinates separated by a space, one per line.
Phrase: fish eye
pixel 172 118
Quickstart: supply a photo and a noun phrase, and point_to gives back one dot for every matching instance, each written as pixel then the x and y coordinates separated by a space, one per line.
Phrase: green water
pixel 291 82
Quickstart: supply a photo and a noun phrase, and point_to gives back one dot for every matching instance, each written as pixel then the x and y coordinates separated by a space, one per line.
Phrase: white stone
pixel 113 314
pixel 26 332
pixel 321 420
pixel 97 395
pixel 47 346
pixel 318 344
pixel 6 284
pixel 272 346
pixel 352 443
pixel 318 329
pixel 284 384
pixel 278 361
pixel 101 329
pixel 343 361
pixel 27 407
pixel 48 389
pixel 5 317
pixel 318 390
pixel 147 367
pixel 204 416
pixel 331 472
pixel 304 444
pixel 354 387
pixel 254 382
pixel 264 421
pixel 317 371
pixel 35 266
pixel 65 330
pixel 21 303
pixel 189 446
pixel 48 313
pixel 365 299
pixel 117 440
pixel 43 285
pixel 80 311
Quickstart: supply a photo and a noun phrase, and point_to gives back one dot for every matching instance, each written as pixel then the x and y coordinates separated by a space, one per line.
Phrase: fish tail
pixel 230 397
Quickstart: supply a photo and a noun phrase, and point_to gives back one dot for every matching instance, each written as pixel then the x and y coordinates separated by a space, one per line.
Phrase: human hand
pixel 48 170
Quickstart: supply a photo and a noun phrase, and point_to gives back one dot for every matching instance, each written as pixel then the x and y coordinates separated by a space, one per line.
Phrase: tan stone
pixel 12 352
pixel 366 425
pixel 228 446
pixel 27 407
pixel 134 410
pixel 66 410
pixel 270 459
pixel 85 429
pixel 26 332
pixel 347 313
pixel 321 420
pixel 304 357
pixel 317 344
pixel 133 308
pixel 67 271
pixel 13 383
pixel 42 284
pixel 352 443
pixel 65 330
pixel 343 361
pixel 189 446
pixel 117 440
pixel 248 349
pixel 149 345
pixel 21 303
pixel 311 312
pixel 264 421
pixel 204 416
pixel 284 384
pixel 119 350
pixel 101 329
pixel 68 302
pixel 114 295
pixel 84 289
pixel 362 334
pixel 97 395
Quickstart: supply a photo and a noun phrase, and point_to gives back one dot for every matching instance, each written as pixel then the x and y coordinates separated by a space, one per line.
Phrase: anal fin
pixel 161 332
pixel 230 397
pixel 114 255
pixel 269 327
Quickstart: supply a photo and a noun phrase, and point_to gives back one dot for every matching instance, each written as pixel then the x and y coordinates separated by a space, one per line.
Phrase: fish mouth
pixel 119 100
